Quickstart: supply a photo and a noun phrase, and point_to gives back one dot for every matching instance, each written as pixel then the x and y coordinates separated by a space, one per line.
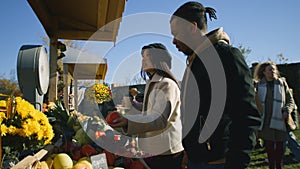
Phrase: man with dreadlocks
pixel 217 94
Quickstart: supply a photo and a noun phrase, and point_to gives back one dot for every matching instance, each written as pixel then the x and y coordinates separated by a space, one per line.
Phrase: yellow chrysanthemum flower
pixel 2 117
pixel 2 103
pixel 12 130
pixel 26 122
pixel 4 130
pixel 98 93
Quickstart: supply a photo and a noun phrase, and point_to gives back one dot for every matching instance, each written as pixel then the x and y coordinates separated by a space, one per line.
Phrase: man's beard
pixel 188 52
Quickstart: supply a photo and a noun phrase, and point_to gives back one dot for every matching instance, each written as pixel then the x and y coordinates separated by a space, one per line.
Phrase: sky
pixel 268 28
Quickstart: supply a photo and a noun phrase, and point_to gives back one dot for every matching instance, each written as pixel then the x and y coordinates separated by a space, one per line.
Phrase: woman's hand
pixel 120 122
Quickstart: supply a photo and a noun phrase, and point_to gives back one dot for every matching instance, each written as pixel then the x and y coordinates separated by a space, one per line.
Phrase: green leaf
pixel 61 56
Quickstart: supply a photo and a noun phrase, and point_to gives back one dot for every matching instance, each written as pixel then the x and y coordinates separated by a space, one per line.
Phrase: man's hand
pixel 184 161
pixel 285 115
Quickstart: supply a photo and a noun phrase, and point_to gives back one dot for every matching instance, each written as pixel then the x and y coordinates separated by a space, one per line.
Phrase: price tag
pixel 99 161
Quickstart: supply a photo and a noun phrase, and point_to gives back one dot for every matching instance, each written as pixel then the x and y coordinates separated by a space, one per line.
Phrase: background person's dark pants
pixel 172 161
pixel 275 154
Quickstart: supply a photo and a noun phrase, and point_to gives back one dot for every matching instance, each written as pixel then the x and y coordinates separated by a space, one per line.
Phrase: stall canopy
pixel 78 19
pixel 97 20
pixel 81 66
pixel 84 66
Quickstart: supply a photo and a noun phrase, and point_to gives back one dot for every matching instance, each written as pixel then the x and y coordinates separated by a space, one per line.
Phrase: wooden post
pixel 0 150
pixel 76 93
pixel 66 80
pixel 53 73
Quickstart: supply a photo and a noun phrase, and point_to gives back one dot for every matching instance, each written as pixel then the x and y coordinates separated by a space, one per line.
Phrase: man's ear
pixel 194 27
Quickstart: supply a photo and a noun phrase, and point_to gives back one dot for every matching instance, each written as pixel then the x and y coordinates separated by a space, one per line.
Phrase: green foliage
pixel 9 157
pixel 61 47
pixel 281 59
pixel 81 137
pixel 63 122
pixel 59 112
pixel 9 87
pixel 245 51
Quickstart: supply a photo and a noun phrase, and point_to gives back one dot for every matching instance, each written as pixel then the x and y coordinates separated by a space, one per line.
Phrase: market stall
pixel 97 20
pixel 81 66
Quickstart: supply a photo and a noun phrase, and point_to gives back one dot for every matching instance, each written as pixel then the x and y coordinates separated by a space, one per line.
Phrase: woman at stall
pixel 158 125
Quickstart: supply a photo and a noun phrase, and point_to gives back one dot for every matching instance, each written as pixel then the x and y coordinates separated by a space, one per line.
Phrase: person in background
pixel 158 126
pixel 292 142
pixel 135 103
pixel 276 102
pixel 45 108
pixel 230 144
pixel 134 92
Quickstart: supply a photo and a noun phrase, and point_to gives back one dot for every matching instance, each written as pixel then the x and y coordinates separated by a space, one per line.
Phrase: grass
pixel 258 157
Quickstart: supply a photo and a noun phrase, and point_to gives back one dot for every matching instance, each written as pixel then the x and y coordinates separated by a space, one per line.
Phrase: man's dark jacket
pixel 234 137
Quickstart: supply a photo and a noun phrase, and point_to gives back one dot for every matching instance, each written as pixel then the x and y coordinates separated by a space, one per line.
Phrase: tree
pixel 245 51
pixel 281 59
pixel 9 87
